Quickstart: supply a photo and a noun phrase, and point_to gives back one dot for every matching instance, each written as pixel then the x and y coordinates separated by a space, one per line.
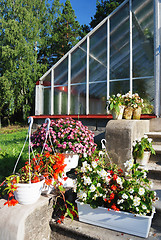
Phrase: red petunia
pixel 112 196
pixel 114 177
pixel 113 187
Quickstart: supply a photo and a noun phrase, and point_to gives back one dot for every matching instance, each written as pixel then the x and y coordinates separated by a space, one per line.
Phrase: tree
pixel 103 9
pixel 21 29
pixel 65 32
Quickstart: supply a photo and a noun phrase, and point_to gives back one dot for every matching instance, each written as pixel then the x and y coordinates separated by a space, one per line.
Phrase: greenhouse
pixel 121 54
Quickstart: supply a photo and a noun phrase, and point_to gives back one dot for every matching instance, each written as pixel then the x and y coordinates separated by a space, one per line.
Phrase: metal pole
pixel 52 92
pixel 87 79
pixel 108 59
pixel 157 62
pixel 131 56
pixel 69 82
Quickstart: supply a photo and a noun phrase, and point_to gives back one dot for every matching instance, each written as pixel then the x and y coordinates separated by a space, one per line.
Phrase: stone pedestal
pixel 120 135
pixel 26 222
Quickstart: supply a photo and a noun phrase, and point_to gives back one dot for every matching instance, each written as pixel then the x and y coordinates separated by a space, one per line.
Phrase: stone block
pixel 26 222
pixel 155 125
pixel 120 135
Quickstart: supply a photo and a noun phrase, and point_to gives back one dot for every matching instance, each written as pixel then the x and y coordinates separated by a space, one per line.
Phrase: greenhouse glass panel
pixel 61 73
pixel 122 87
pixel 143 38
pixel 145 88
pixel 47 100
pixel 78 99
pixel 119 44
pixel 60 100
pixel 78 64
pixel 98 55
pixel 97 98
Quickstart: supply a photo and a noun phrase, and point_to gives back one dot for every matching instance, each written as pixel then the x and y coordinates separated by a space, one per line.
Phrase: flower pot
pixel 118 115
pixel 71 161
pixel 115 220
pixel 128 113
pixel 145 159
pixel 137 113
pixel 28 193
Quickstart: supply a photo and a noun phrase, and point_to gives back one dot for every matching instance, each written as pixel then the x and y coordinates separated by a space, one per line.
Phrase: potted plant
pixel 142 149
pixel 23 187
pixel 110 198
pixel 66 135
pixel 133 105
pixel 116 106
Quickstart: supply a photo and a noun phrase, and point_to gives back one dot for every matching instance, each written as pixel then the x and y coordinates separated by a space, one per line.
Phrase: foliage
pixel 141 145
pixel 115 101
pixel 107 186
pixel 33 35
pixel 11 143
pixel 132 100
pixel 103 9
pixel 66 135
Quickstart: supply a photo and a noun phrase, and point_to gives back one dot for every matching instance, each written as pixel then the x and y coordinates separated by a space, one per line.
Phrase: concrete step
pixel 157 148
pixel 156 136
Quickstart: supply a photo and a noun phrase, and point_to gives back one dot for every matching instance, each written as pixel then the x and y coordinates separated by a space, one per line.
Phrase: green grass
pixel 11 142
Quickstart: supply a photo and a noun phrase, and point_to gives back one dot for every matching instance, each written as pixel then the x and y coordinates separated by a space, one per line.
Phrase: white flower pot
pixel 118 115
pixel 145 159
pixel 27 193
pixel 115 220
pixel 71 161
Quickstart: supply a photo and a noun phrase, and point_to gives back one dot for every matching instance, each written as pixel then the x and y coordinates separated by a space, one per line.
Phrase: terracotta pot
pixel 137 113
pixel 118 115
pixel 128 113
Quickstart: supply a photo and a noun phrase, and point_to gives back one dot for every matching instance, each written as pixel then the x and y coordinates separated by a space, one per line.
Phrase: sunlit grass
pixel 11 143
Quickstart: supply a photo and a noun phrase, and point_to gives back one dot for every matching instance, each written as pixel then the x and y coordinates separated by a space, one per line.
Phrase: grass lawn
pixel 11 142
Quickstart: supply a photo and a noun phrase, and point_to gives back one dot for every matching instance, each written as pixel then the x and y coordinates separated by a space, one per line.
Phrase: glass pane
pixel 61 73
pixel 47 101
pixel 119 44
pixel 145 88
pixel 78 64
pixel 119 87
pixel 98 55
pixel 47 80
pixel 78 99
pixel 60 100
pixel 143 42
pixel 97 98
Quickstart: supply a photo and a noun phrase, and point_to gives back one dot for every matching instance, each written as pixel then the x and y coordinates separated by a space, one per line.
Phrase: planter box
pixel 119 221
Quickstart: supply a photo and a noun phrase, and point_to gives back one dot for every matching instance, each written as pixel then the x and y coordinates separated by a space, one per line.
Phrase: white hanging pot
pixel 28 193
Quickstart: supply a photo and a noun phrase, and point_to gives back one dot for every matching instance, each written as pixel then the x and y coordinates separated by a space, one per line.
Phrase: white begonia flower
pixel 145 175
pixel 137 209
pixel 95 196
pixel 84 155
pixel 92 188
pixel 107 180
pixel 153 209
pixel 124 196
pixel 141 191
pixel 90 169
pixel 87 181
pixel 119 180
pixel 94 164
pixel 148 211
pixel 145 136
pixel 134 143
pixel 83 169
pixel 131 197
pixel 118 95
pixel 151 184
pixel 82 195
pixel 98 184
pixel 136 201
pixel 102 173
pixel 150 140
pixel 121 207
pixel 119 201
pixel 144 207
pixel 128 164
pixel 131 191
pixel 85 164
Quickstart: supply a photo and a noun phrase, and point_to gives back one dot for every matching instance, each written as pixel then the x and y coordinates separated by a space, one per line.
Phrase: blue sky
pixel 84 9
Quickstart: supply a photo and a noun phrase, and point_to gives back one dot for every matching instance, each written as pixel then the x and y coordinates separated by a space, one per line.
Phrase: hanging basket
pixel 28 193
